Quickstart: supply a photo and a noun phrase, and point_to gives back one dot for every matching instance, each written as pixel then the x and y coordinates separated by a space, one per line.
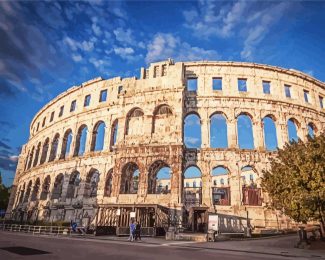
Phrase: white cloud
pixel 14 158
pixel 191 140
pixel 96 29
pixel 75 45
pixel 124 36
pixel 166 45
pixel 244 20
pixel 76 57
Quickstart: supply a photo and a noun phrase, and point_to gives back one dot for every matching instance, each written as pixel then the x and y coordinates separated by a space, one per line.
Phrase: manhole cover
pixel 20 250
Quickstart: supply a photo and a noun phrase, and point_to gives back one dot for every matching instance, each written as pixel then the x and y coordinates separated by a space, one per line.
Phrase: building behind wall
pixel 64 173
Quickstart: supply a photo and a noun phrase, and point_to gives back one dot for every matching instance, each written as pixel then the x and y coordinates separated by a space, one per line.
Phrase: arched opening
pixel 108 184
pixel 66 144
pixel 311 130
pixel 81 140
pixel 38 149
pixel 114 132
pixel 54 148
pixel 218 131
pixel 45 188
pixel 45 150
pixel 245 132
pixel 192 131
pixel 292 130
pixel 270 136
pixel 57 187
pixel 98 136
pixel 36 189
pixel 30 160
pixel 91 183
pixel 159 177
pixel 192 186
pixel 22 194
pixel 26 160
pixel 162 119
pixel 28 191
pixel 130 179
pixel 221 188
pixel 134 122
pixel 73 185
pixel 251 193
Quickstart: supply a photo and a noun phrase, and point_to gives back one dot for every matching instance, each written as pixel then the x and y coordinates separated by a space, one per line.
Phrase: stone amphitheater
pixel 95 151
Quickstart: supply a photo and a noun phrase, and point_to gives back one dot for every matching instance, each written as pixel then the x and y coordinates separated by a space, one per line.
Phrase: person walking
pixel 132 230
pixel 138 231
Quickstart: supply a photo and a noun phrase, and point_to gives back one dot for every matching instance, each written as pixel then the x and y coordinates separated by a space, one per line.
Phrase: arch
pixel 57 187
pixel 26 160
pixel 91 183
pixel 28 191
pixel 45 150
pixel 114 132
pixel 73 185
pixel 98 136
pixel 108 183
pixel 36 189
pixel 245 131
pixel 312 129
pixel 192 192
pixel 129 179
pixel 292 125
pixel 248 176
pixel 270 135
pixel 31 155
pixel 161 119
pixel 218 131
pixel 221 189
pixel 45 188
pixel 66 144
pixel 134 122
pixel 192 131
pixel 159 176
pixel 54 147
pixel 81 140
pixel 251 193
pixel 38 149
pixel 22 193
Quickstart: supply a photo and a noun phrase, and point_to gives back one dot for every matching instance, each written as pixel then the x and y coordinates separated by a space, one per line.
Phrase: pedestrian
pixel 132 229
pixel 138 231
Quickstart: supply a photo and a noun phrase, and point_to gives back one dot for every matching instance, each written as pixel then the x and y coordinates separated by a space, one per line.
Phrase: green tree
pixel 296 180
pixel 4 195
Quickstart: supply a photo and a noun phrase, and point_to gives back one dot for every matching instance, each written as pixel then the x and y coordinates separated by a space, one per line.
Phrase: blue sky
pixel 47 47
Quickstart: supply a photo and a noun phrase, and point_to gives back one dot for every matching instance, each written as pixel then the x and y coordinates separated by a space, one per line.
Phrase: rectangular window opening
pixel 266 87
pixel 192 84
pixel 87 101
pixel 103 95
pixel 242 85
pixel 44 120
pixel 73 106
pixel 120 89
pixel 61 111
pixel 306 96
pixel 52 116
pixel 321 102
pixel 287 89
pixel 217 83
pixel 164 70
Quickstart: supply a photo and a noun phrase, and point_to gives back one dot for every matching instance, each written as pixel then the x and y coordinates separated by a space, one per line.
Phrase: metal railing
pixel 41 230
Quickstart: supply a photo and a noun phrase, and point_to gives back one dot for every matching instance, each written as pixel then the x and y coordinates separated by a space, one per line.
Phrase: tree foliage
pixel 296 180
pixel 4 195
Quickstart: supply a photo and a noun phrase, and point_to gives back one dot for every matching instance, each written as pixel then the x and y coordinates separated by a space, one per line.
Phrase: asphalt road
pixel 23 246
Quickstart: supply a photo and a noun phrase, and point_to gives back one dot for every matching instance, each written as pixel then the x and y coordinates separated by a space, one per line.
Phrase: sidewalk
pixel 277 246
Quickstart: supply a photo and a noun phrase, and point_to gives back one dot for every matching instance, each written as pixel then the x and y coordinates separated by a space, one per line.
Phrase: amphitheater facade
pixel 64 174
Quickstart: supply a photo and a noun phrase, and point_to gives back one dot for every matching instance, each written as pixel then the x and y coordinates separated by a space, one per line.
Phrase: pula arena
pixel 64 173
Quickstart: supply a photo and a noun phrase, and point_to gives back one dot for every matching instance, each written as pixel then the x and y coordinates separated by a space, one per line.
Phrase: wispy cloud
pixel 166 45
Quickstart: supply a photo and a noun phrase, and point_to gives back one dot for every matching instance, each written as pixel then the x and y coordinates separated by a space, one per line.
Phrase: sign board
pixel 213 223
pixel 132 214
pixel 118 212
